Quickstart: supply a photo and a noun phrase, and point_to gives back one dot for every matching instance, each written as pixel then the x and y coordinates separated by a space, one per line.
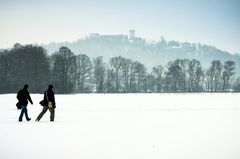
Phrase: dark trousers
pixel 44 110
pixel 23 111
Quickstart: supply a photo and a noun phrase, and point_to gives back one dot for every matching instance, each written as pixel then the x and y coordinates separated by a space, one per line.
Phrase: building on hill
pixel 131 34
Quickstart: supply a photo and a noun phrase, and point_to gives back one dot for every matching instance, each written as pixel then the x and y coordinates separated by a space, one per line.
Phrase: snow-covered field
pixel 124 126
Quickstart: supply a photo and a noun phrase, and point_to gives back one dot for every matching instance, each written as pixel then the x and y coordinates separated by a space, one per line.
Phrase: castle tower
pixel 131 34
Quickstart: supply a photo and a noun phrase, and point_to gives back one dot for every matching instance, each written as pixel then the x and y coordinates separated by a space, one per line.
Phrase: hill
pixel 149 53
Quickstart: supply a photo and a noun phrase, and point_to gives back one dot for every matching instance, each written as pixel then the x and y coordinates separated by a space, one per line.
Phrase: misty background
pixel 168 35
pixel 211 22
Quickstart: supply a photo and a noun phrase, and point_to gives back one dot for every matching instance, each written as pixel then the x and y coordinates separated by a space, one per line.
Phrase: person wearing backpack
pixel 49 104
pixel 23 98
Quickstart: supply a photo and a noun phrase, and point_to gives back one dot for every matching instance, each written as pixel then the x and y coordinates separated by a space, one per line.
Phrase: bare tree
pixel 157 73
pixel 213 76
pixel 99 73
pixel 149 83
pixel 195 76
pixel 63 70
pixel 126 64
pixel 110 82
pixel 236 85
pixel 5 76
pixel 228 72
pixel 176 77
pixel 116 64
pixel 140 71
pixel 132 82
pixel 83 74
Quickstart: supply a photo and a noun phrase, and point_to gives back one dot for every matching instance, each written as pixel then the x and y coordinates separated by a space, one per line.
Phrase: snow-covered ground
pixel 124 126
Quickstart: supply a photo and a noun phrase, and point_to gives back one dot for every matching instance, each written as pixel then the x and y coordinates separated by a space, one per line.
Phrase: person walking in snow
pixel 49 104
pixel 23 98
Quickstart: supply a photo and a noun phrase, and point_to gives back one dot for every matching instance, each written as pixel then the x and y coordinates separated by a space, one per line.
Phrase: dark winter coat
pixel 50 97
pixel 23 97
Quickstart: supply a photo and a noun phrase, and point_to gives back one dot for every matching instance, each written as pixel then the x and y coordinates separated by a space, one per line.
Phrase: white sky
pixel 212 22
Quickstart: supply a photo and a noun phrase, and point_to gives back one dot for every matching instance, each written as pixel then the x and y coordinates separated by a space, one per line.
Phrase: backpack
pixel 19 97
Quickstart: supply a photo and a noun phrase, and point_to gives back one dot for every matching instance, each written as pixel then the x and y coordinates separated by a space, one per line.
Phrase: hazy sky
pixel 212 22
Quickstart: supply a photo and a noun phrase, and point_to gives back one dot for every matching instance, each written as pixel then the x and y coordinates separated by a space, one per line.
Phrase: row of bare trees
pixel 122 75
pixel 71 73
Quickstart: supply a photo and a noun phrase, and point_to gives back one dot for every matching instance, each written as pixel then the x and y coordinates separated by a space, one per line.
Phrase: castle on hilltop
pixel 121 38
pixel 131 35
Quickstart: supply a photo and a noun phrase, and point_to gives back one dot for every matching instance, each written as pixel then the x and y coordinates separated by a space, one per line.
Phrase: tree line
pixel 78 73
